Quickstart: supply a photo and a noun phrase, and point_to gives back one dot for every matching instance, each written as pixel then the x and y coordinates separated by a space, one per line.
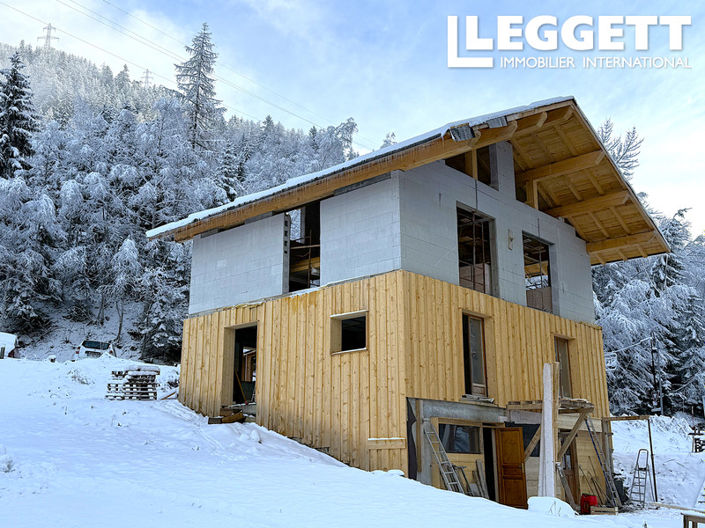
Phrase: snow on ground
pixel 71 458
pixel 679 473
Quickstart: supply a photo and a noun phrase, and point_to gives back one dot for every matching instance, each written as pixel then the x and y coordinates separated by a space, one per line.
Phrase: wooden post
pixel 653 463
pixel 549 433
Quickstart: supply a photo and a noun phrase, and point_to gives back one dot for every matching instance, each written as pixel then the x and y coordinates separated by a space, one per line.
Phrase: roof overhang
pixel 560 164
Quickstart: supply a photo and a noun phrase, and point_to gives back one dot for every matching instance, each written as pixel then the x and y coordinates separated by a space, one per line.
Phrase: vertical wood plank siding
pixel 414 349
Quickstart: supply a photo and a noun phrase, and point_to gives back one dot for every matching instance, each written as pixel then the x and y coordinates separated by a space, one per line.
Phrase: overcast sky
pixel 384 63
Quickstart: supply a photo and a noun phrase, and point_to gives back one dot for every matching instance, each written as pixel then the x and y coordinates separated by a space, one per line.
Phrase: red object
pixel 586 501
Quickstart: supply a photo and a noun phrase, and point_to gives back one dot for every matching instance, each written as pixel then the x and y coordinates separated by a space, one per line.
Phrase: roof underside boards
pixel 561 168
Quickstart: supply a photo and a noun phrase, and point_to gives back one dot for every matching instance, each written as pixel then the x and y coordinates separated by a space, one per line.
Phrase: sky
pixel 384 63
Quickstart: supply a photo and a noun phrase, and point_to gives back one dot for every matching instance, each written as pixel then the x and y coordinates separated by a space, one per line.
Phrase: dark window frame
pixel 448 434
pixel 537 273
pixel 471 386
pixel 476 262
pixel 563 359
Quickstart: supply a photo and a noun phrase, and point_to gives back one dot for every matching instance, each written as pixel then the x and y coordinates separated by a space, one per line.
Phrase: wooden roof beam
pixel 563 167
pixel 532 123
pixel 590 205
pixel 489 136
pixel 615 243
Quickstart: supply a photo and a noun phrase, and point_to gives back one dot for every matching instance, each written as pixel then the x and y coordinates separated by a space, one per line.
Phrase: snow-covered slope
pixel 62 336
pixel 70 458
pixel 680 474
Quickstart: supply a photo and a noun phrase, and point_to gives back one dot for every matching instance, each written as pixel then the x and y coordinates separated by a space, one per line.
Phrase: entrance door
pixel 510 467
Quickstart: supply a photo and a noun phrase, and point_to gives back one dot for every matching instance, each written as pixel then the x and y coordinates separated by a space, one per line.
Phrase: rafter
pixel 590 205
pixel 614 243
pixel 563 167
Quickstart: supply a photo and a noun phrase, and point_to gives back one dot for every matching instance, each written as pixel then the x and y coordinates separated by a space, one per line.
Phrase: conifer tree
pixel 17 118
pixel 197 87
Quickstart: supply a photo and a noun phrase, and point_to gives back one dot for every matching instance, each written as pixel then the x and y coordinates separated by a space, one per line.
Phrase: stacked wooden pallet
pixel 137 383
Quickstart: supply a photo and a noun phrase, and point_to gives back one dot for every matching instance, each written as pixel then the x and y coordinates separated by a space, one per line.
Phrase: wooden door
pixel 511 477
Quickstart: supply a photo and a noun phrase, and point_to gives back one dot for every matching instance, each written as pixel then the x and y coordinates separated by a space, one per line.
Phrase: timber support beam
pixel 563 167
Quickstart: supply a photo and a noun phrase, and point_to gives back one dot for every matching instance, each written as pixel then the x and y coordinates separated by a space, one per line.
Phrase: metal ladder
pixel 612 494
pixel 637 491
pixel 445 466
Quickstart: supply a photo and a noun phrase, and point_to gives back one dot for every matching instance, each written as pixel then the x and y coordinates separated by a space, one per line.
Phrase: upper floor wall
pixel 405 220
pixel 238 265
pixel 429 198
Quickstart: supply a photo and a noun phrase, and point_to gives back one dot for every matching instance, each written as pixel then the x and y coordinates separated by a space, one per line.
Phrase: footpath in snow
pixel 71 458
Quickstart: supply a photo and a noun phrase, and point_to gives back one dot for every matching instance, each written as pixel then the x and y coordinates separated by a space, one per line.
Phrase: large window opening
pixel 474 356
pixel 245 364
pixel 537 274
pixel 305 247
pixel 348 332
pixel 474 163
pixel 460 438
pixel 474 251
pixel 563 359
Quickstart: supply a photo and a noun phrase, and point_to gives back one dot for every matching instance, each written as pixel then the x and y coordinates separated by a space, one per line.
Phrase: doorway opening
pixel 305 247
pixel 245 364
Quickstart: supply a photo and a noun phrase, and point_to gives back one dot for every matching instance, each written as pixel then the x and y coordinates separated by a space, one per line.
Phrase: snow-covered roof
pixel 299 181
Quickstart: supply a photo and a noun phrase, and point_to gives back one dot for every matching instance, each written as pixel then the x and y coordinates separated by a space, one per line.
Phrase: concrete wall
pixel 238 265
pixel 406 221
pixel 360 232
pixel 429 196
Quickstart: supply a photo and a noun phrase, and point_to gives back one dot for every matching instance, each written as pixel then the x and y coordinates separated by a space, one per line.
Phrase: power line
pixel 123 59
pixel 165 51
pixel 47 37
pixel 178 41
pixel 144 41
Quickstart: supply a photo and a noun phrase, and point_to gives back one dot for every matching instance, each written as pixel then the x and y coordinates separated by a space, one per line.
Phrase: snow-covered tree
pixel 624 150
pixel 17 118
pixel 197 87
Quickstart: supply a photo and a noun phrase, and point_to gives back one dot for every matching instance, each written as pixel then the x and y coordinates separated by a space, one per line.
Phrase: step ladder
pixel 612 494
pixel 637 491
pixel 448 470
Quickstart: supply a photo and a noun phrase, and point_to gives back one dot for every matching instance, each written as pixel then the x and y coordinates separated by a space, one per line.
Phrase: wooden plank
pixel 625 241
pixel 386 443
pixel 589 205
pixel 571 435
pixel 532 443
pixel 562 168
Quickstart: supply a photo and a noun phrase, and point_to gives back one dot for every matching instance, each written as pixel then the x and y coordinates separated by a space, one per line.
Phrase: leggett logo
pixel 577 33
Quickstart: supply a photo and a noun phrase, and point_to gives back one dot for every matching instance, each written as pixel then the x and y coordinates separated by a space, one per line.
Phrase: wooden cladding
pixel 353 404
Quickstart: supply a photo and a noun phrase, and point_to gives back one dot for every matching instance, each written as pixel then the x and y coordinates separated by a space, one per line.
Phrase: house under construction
pixel 397 310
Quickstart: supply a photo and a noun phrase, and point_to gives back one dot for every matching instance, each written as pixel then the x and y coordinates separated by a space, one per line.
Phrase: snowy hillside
pixel 680 474
pixel 71 458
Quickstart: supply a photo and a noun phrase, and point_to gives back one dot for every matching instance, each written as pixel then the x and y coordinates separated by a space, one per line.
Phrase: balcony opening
pixel 537 274
pixel 474 163
pixel 474 251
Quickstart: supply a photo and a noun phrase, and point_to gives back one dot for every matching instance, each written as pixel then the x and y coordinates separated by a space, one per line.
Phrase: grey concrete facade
pixel 239 265
pixel 429 196
pixel 407 220
pixel 360 232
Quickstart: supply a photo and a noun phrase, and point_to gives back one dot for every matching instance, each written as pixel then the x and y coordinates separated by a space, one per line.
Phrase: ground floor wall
pixel 353 404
